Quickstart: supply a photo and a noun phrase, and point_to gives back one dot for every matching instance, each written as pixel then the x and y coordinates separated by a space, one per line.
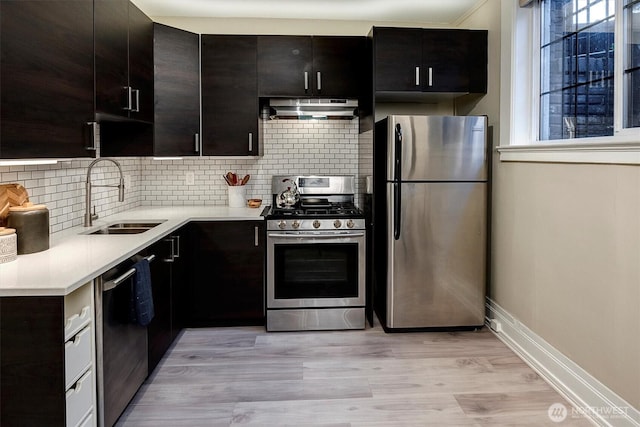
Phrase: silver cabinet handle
pixel 250 142
pixel 94 136
pixel 417 76
pixel 129 96
pixel 319 76
pixel 196 141
pixel 256 236
pixel 171 256
pixel 430 76
pixel 136 109
pixel 111 284
pixel 177 247
pixel 306 80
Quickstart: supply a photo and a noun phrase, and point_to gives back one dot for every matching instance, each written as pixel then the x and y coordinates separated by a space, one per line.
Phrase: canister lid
pixel 28 206
pixel 7 231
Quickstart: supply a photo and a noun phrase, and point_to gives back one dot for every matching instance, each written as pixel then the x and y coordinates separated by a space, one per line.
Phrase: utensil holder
pixel 237 196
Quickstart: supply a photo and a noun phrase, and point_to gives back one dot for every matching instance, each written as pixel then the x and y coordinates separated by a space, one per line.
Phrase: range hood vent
pixel 313 108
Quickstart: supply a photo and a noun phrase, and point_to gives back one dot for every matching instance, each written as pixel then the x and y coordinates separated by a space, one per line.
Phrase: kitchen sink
pixel 126 227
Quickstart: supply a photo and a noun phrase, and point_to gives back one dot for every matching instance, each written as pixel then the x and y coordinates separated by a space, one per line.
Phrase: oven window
pixel 316 270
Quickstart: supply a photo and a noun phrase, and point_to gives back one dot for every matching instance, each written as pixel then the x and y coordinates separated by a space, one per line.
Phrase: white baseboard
pixel 589 396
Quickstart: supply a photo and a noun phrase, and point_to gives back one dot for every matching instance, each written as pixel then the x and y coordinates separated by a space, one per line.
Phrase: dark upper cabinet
pixel 124 61
pixel 397 59
pixel 227 285
pixel 177 92
pixel 285 66
pixel 46 79
pixel 229 96
pixel 338 66
pixel 430 60
pixel 310 66
pixel 141 64
pixel 454 60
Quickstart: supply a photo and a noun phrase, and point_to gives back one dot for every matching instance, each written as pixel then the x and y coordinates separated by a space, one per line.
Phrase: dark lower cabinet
pixel 228 269
pixel 166 279
pixel 46 79
pixel 32 361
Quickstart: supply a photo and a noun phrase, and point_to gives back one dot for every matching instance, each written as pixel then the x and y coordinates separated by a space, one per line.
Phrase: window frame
pixel 520 99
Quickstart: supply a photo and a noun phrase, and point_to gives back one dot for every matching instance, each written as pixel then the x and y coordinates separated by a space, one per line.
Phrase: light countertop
pixel 74 258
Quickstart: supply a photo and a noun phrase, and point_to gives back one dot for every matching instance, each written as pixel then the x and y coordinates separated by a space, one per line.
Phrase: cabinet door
pixel 180 275
pixel 111 56
pixel 141 64
pixel 228 267
pixel 478 60
pixel 285 66
pixel 338 65
pixel 46 72
pixel 159 330
pixel 397 59
pixel 177 91
pixel 229 96
pixel 445 60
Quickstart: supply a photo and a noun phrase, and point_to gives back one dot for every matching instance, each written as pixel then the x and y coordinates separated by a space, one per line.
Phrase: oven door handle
pixel 312 236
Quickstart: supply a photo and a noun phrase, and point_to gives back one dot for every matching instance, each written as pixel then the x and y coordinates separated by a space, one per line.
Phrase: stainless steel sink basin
pixel 126 227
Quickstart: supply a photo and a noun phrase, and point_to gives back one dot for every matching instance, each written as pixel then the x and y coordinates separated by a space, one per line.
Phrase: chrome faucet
pixel 88 217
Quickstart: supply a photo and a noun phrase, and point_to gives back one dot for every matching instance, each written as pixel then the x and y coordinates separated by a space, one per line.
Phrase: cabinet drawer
pixel 76 322
pixel 77 356
pixel 80 400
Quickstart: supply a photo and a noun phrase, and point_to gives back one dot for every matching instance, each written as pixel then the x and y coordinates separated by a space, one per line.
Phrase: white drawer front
pixel 77 321
pixel 77 355
pixel 88 422
pixel 80 400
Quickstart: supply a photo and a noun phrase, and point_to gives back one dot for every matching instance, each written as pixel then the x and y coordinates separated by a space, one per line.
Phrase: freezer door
pixel 436 269
pixel 437 148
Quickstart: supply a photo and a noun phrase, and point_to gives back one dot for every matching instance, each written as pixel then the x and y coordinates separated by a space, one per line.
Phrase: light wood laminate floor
pixel 244 376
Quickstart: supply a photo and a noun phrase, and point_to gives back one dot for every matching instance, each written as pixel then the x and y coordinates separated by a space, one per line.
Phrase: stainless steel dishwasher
pixel 121 346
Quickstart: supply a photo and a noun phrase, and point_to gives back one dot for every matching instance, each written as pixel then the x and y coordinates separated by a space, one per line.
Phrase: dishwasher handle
pixel 112 284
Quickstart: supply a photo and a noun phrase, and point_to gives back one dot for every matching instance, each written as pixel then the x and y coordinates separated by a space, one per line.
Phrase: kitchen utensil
pixel 11 195
pixel 289 197
pixel 31 223
pixel 245 179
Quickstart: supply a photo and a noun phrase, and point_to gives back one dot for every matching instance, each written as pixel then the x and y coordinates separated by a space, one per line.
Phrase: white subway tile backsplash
pixel 289 147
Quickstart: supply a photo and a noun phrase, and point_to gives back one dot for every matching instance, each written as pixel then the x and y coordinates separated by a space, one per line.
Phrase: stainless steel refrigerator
pixel 430 221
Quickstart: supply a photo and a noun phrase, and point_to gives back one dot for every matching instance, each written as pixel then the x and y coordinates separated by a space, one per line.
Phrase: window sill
pixel 622 153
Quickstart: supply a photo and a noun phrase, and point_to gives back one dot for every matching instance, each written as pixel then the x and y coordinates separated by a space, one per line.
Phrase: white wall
pixel 290 146
pixel 565 255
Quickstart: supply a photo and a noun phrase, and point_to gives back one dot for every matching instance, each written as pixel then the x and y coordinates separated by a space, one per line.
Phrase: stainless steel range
pixel 315 255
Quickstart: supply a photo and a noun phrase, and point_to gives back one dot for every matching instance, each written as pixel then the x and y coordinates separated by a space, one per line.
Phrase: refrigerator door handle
pixel 397 193
pixel 396 210
pixel 397 173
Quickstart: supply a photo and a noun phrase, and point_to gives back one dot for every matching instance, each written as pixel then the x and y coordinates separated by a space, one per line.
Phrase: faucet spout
pixel 88 217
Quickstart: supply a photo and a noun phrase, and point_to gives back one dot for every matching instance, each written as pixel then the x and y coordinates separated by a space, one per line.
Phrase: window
pixel 632 62
pixel 578 93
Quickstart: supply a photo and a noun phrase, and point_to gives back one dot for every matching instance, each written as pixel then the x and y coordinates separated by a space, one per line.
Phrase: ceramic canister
pixel 32 227
pixel 8 245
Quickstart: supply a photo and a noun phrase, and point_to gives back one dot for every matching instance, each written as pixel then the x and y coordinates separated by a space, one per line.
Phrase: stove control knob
pixel 295 224
pixel 316 224
pixel 337 223
pixel 282 225
pixel 350 223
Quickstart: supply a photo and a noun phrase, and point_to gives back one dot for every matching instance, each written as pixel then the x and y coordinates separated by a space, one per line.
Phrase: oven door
pixel 315 269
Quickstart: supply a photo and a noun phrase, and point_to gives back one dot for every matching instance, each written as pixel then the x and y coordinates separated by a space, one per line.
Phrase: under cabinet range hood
pixel 313 108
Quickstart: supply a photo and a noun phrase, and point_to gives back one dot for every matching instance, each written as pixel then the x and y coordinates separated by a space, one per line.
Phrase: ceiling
pixel 418 11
